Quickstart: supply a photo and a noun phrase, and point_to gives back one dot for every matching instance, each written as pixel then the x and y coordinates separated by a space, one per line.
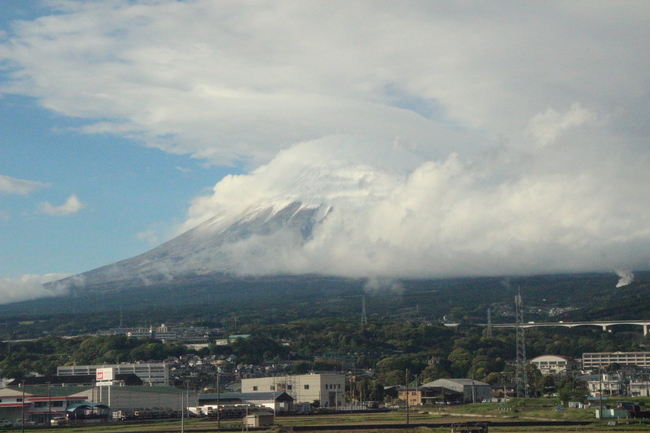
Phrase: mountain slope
pixel 206 249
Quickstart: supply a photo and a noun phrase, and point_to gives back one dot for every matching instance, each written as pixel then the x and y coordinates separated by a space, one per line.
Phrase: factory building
pixel 327 388
pixel 153 374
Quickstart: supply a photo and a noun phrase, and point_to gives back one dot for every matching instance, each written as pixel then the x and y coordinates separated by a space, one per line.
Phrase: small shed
pixel 258 420
pixel 612 413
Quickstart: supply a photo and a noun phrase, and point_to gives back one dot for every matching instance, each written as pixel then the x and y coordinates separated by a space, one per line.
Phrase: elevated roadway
pixel 604 324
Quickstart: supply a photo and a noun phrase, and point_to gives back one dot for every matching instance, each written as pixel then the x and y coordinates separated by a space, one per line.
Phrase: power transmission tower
pixel 521 377
pixel 364 317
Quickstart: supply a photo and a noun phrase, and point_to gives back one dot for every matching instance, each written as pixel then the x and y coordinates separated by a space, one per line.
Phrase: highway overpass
pixel 604 324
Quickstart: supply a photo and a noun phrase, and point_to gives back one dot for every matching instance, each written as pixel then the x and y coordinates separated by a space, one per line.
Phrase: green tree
pixel 461 361
pixel 433 372
pixel 572 389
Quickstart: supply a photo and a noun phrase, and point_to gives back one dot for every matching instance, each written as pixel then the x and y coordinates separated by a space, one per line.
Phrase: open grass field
pixel 517 416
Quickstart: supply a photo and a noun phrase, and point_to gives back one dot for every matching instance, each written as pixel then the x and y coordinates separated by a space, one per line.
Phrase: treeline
pixel 389 348
pixel 44 355
pixel 432 351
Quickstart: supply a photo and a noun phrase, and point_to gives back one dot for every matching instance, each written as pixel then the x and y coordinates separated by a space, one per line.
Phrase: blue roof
pixel 75 406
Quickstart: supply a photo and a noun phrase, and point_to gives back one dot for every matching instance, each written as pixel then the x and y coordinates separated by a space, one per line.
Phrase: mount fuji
pixel 368 211
pixel 275 221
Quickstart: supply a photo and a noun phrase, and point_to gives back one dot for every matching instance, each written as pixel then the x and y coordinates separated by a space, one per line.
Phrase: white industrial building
pixel 553 364
pixel 278 402
pixel 154 374
pixel 127 398
pixel 42 403
pixel 602 359
pixel 328 388
pixel 467 390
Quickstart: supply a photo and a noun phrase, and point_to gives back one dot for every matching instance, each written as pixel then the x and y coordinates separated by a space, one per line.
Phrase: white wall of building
pixel 328 388
pixel 551 364
pixel 130 397
pixel 156 374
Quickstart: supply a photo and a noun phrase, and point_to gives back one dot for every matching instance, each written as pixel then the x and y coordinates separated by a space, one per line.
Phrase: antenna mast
pixel 364 317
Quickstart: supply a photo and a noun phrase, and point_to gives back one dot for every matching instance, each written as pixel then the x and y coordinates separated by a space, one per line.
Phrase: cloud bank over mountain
pixel 472 138
pixel 507 212
pixel 30 287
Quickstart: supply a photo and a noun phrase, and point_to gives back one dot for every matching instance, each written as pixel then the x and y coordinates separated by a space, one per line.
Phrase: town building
pixel 129 398
pixel 595 360
pixel 164 333
pixel 153 374
pixel 639 388
pixel 503 391
pixel 79 380
pixel 279 402
pixel 40 404
pixel 458 390
pixel 553 364
pixel 231 339
pixel 326 388
pixel 607 385
pixel 411 395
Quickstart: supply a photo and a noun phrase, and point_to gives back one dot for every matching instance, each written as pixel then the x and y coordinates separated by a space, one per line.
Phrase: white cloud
pixel 71 206
pixel 30 287
pixel 244 80
pixel 11 185
pixel 545 127
pixel 467 137
pixel 150 236
pixel 449 217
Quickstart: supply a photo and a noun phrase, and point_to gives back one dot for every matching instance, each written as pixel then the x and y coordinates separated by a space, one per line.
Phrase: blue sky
pixel 131 195
pixel 484 137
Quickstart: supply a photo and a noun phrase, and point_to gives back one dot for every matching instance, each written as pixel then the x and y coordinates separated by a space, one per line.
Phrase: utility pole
pixel 521 376
pixel 22 411
pixel 49 404
pixel 218 399
pixel 182 414
pixel 600 394
pixel 407 396
pixel 473 392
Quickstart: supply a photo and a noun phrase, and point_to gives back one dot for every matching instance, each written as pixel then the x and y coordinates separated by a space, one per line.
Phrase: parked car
pixel 4 423
pixel 58 420
pixel 28 423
